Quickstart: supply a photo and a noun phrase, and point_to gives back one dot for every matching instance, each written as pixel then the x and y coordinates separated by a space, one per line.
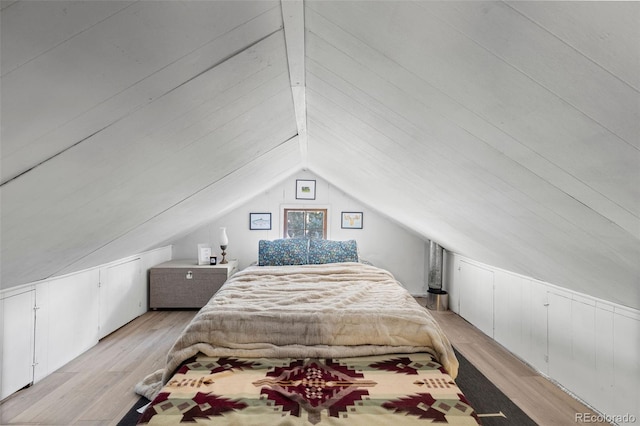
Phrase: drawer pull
pixel 189 275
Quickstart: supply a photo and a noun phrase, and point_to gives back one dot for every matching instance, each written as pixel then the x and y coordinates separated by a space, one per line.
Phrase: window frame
pixel 323 210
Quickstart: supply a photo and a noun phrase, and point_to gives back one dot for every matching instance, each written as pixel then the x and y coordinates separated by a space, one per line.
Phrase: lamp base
pixel 224 259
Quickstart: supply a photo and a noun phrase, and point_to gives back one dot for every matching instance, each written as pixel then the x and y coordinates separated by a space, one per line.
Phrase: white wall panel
pixel 605 367
pixel 67 321
pixel 451 280
pixel 16 348
pixel 626 336
pixel 476 301
pixel 583 341
pixel 508 307
pixel 536 325
pixel 121 295
pixel 520 317
pixel 560 350
pixel 590 347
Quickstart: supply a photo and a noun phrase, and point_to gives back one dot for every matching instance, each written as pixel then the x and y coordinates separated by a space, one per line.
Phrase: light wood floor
pixel 97 387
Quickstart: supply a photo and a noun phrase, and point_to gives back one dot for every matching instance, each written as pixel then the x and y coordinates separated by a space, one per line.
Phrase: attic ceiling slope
pixel 203 118
pixel 213 201
pixel 486 130
pixel 71 69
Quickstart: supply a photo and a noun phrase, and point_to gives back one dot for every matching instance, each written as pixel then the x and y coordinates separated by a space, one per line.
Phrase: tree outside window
pixel 305 223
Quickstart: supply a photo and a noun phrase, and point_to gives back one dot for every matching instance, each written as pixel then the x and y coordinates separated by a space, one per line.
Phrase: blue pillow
pixel 292 251
pixel 327 251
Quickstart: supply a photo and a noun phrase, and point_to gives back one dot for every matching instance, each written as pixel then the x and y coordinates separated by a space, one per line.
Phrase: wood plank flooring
pixel 97 387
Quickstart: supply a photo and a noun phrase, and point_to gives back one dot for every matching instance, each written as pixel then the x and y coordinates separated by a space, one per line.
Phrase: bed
pixel 306 340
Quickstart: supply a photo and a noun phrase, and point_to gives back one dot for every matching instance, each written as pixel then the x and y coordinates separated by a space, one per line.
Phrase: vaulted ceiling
pixel 508 132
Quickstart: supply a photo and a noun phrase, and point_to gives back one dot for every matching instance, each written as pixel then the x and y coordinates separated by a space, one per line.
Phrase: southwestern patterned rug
pixel 492 406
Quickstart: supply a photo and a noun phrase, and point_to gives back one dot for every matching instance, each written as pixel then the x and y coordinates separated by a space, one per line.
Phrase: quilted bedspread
pixel 384 390
pixel 309 311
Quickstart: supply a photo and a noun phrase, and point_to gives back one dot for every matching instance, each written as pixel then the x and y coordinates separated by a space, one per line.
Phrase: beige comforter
pixel 327 311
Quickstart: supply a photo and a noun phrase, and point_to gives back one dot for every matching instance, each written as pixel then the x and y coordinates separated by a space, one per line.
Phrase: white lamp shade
pixel 224 240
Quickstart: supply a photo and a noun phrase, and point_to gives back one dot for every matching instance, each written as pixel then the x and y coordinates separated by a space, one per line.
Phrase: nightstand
pixel 185 284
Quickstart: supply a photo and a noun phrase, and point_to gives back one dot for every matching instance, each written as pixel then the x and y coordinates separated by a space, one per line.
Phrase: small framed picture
pixel 352 220
pixel 259 221
pixel 204 251
pixel 213 260
pixel 305 189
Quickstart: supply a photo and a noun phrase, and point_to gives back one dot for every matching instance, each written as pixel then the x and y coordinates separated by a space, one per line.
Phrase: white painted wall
pixel 589 346
pixel 382 241
pixel 46 324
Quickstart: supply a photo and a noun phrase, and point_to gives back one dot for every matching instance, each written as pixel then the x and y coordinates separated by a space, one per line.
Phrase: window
pixel 305 223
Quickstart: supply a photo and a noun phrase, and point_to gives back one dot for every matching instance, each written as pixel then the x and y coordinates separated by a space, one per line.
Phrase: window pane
pixel 315 220
pixel 295 233
pixel 305 223
pixel 295 220
pixel 315 233
pixel 315 224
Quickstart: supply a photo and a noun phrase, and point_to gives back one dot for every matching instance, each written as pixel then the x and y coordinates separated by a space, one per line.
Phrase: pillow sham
pixel 328 251
pixel 282 252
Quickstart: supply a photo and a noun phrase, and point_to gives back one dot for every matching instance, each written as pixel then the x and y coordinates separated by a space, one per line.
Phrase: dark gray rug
pixel 131 418
pixel 492 406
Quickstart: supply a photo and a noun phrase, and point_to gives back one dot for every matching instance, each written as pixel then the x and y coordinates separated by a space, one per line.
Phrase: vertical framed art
pixel 204 253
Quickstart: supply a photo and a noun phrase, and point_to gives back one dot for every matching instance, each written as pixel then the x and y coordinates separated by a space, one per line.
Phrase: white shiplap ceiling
pixel 507 131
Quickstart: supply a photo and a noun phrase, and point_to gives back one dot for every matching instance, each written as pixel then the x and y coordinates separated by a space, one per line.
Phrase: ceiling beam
pixel 293 19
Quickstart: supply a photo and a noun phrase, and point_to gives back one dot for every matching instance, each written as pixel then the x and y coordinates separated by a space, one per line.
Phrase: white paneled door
pixel 121 295
pixel 476 296
pixel 17 324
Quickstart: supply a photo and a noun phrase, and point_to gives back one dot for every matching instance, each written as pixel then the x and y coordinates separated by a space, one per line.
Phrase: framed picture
pixel 213 260
pixel 204 253
pixel 259 221
pixel 305 189
pixel 352 220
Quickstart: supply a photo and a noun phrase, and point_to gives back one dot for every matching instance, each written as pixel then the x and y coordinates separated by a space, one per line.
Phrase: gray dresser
pixel 185 284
